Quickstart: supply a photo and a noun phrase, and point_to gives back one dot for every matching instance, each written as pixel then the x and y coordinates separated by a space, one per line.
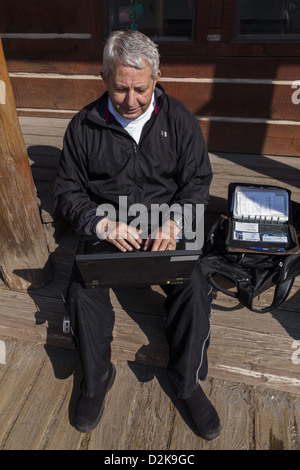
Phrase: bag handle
pixel 281 293
pixel 217 286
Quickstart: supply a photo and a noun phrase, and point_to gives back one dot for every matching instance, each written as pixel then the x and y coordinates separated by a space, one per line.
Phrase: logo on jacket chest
pixel 164 133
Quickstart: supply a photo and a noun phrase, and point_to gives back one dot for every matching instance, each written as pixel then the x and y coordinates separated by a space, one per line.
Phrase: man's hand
pixel 119 234
pixel 165 238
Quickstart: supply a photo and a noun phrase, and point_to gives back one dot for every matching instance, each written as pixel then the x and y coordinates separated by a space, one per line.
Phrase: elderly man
pixel 139 143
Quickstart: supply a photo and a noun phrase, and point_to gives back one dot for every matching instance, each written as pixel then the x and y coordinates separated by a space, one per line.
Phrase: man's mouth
pixel 131 110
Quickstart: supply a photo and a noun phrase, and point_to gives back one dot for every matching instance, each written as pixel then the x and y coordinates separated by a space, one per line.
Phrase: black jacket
pixel 100 161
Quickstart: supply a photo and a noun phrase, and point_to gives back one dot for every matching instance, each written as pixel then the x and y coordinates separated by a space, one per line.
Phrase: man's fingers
pixel 162 244
pixel 121 244
pixel 125 237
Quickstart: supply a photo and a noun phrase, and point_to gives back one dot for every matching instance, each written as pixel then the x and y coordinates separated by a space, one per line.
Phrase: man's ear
pixel 157 77
pixel 103 76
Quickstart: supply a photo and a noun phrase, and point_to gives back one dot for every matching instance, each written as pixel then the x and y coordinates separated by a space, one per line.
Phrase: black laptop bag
pixel 251 273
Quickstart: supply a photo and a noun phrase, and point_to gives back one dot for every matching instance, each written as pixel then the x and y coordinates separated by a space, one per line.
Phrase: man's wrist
pixel 175 228
pixel 178 220
pixel 101 227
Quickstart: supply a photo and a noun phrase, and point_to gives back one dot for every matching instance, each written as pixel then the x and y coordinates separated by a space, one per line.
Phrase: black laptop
pixel 101 264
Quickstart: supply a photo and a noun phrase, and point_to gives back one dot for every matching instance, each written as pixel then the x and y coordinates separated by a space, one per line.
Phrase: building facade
pixel 234 63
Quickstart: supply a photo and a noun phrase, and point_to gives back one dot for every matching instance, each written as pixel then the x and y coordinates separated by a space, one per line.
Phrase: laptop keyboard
pixel 102 246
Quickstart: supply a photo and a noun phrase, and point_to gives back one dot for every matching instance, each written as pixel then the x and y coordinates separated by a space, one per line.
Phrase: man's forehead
pixel 123 71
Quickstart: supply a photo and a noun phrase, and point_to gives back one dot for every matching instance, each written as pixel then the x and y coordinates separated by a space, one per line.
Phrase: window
pixel 268 19
pixel 162 20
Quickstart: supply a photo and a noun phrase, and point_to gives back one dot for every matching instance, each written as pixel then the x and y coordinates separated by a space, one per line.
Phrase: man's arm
pixel 71 185
pixel 193 178
pixel 194 174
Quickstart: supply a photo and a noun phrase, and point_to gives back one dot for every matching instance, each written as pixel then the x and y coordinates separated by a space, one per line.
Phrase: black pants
pixel 187 328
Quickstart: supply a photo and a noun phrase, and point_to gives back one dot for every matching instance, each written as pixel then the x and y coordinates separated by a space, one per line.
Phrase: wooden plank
pixel 243 100
pixel 264 358
pixel 44 131
pixel 42 18
pixel 56 93
pixel 272 418
pixel 41 124
pixel 135 405
pixel 295 423
pixel 254 354
pixel 263 101
pixel 266 169
pixel 281 168
pixel 40 408
pixel 40 387
pixel 251 137
pixel 35 319
pixel 61 433
pixel 193 65
pixel 21 371
pixel 37 140
pixel 233 405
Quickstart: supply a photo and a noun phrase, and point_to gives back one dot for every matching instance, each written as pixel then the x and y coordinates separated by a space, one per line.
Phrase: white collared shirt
pixel 134 127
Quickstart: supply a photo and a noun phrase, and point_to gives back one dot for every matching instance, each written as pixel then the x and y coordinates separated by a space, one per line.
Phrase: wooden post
pixel 24 257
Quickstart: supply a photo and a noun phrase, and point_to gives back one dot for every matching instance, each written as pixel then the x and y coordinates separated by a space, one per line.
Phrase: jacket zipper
pixel 137 163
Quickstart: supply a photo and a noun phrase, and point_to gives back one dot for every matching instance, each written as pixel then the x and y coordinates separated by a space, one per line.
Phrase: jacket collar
pixel 98 112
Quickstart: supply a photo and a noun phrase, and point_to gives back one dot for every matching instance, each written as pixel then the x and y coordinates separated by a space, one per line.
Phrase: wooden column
pixel 24 257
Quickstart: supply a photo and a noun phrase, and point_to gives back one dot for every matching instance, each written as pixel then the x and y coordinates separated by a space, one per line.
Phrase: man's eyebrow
pixel 142 87
pixel 137 87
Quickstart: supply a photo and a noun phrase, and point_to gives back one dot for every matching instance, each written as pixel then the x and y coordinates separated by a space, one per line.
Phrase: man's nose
pixel 130 98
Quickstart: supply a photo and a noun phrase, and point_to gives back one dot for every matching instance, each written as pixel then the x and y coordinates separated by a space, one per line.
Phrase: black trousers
pixel 187 328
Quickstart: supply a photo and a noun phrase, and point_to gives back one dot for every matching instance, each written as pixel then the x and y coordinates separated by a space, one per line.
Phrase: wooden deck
pixel 254 377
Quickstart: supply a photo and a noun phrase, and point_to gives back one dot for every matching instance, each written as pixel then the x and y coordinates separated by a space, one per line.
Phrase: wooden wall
pixel 240 92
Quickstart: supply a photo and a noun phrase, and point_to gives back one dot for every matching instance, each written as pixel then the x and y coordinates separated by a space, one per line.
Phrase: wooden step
pixel 245 346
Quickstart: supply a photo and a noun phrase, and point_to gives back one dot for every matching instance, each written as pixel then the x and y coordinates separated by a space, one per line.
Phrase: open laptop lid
pixel 101 264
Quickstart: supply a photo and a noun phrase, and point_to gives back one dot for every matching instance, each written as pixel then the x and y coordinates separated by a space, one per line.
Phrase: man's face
pixel 130 89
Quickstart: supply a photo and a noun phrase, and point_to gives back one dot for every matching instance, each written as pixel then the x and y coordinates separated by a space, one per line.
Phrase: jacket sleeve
pixel 71 189
pixel 194 169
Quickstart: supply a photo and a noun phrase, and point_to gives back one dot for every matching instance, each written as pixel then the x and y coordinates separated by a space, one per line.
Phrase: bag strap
pixel 217 286
pixel 281 293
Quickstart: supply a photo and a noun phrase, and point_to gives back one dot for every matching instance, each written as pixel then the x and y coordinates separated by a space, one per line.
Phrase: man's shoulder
pixel 96 108
pixel 174 105
pixel 178 105
pixel 178 112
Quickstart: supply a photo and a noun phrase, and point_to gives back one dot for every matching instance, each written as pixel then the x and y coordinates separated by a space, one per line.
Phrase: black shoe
pixel 203 415
pixel 90 409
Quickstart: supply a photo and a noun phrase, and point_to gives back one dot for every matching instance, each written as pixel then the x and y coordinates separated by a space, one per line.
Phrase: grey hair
pixel 131 48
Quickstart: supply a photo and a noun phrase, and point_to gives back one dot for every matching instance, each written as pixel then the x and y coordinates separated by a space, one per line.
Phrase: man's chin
pixel 131 114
